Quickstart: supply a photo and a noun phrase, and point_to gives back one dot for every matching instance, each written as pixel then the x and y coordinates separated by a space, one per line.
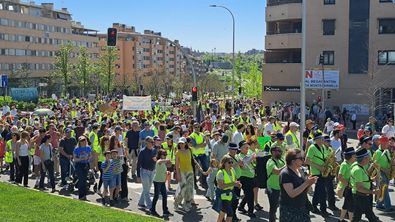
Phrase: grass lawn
pixel 20 204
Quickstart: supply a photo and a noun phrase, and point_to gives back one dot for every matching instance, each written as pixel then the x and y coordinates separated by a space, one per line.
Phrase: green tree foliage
pixel 252 80
pixel 106 67
pixel 83 69
pixel 63 65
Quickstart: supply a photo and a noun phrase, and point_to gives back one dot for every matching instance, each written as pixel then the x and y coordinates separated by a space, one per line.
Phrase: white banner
pixel 136 103
pixel 313 79
pixel 359 109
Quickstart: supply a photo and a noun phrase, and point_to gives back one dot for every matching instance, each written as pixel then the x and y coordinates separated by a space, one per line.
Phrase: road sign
pixel 4 80
pixel 281 88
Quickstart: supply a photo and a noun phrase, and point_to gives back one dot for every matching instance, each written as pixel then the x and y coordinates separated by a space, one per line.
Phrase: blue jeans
pixel 146 179
pixel 386 201
pixel 64 169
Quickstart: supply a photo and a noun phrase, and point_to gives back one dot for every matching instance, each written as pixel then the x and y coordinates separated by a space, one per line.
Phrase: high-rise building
pixel 142 55
pixel 356 39
pixel 30 34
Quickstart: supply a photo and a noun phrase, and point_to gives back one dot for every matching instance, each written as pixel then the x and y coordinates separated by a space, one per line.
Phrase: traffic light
pixel 319 99
pixel 194 94
pixel 111 37
pixel 321 59
pixel 328 94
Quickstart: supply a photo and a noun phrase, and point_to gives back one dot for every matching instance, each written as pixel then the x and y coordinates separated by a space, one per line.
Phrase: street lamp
pixel 302 82
pixel 233 50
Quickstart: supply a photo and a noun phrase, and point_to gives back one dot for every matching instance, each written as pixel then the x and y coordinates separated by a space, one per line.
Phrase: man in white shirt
pixel 336 145
pixel 389 129
pixel 354 120
pixel 238 135
pixel 269 127
pixel 329 125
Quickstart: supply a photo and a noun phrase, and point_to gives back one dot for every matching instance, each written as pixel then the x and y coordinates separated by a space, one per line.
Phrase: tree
pixel 63 66
pixel 83 69
pixel 21 76
pixel 252 80
pixel 106 66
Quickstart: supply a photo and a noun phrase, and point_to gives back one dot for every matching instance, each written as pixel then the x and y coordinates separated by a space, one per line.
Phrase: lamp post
pixel 302 77
pixel 233 49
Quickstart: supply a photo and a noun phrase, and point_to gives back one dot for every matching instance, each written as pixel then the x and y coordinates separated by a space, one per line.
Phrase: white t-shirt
pixel 329 126
pixel 388 131
pixel 268 128
pixel 336 146
pixel 237 137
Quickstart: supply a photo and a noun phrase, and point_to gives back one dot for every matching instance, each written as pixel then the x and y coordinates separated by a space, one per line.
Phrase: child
pixel 116 175
pixel 108 180
pixel 159 183
pixel 211 173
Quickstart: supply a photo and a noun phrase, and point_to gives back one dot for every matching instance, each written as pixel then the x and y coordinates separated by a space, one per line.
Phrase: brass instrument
pixel 375 175
pixel 331 166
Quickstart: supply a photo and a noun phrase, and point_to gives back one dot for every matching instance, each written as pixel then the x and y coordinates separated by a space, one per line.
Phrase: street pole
pixel 233 49
pixel 302 76
pixel 323 87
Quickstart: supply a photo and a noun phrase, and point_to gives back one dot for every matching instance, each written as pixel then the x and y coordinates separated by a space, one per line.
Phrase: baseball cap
pixel 293 124
pixel 182 140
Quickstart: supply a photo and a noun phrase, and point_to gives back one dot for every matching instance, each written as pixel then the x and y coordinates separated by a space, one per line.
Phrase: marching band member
pixel 344 183
pixel 362 188
pixel 315 158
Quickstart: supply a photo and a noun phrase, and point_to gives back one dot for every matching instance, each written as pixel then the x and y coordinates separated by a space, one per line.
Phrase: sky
pixel 192 22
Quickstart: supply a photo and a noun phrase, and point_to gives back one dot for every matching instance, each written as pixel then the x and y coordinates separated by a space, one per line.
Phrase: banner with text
pixel 136 103
pixel 313 79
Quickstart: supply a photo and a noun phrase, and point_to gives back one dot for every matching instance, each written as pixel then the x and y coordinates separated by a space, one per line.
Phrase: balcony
pixel 283 56
pixel 283 41
pixel 282 2
pixel 283 12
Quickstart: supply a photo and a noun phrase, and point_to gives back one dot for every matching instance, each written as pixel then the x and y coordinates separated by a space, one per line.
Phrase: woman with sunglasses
pixel 294 188
pixel 226 181
pixel 82 156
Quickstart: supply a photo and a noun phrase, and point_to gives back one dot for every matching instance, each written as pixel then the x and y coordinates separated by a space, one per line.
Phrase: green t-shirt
pixel 282 146
pixel 359 174
pixel 160 172
pixel 345 171
pixel 316 156
pixel 383 158
pixel 248 169
pixel 273 180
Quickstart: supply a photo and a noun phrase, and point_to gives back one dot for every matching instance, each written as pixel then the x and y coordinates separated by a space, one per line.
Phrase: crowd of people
pixel 232 151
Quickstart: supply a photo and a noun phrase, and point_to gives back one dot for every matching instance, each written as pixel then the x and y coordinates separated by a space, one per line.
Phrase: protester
pixel 82 155
pixel 47 162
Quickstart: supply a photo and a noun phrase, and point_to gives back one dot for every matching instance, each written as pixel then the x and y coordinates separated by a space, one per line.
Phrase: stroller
pixel 73 179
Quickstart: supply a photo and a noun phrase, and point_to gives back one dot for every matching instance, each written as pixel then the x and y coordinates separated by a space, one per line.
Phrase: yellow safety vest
pixel 294 138
pixel 228 194
pixel 199 139
pixel 9 156
pixel 170 152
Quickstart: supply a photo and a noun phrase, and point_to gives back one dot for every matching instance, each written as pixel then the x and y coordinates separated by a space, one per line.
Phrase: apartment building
pixel 142 55
pixel 30 34
pixel 356 38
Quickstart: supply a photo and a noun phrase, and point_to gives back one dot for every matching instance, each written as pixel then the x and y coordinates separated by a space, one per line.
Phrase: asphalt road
pixel 203 211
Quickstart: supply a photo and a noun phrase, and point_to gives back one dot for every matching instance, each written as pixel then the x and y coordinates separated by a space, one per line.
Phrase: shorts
pixel 116 180
pixel 348 200
pixel 36 160
pixel 109 184
pixel 227 208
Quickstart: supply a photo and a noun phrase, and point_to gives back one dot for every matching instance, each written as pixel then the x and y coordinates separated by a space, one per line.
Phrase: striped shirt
pixel 107 175
pixel 117 167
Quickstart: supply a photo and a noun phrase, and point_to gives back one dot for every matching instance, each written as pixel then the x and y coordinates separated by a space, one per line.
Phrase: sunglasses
pixel 230 162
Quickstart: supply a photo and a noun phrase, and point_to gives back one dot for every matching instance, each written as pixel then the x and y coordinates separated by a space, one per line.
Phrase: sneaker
pixel 251 215
pixel 103 201
pixel 154 213
pixel 167 213
pixel 242 210
pixel 315 210
pixel 258 207
pixel 324 213
pixel 141 205
pixel 53 190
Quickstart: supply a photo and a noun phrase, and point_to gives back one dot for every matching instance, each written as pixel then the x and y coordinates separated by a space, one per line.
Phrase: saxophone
pixel 375 175
pixel 331 166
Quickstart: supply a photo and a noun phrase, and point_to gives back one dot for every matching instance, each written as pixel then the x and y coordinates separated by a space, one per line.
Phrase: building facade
pixel 147 54
pixel 356 39
pixel 30 34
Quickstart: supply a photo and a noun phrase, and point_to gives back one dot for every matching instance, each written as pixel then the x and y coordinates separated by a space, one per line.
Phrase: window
pixel 27 38
pixel 382 1
pixel 329 2
pixel 328 26
pixel 4 22
pixel 329 57
pixel 146 50
pixel 10 8
pixel 387 57
pixel 387 26
pixel 1 6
